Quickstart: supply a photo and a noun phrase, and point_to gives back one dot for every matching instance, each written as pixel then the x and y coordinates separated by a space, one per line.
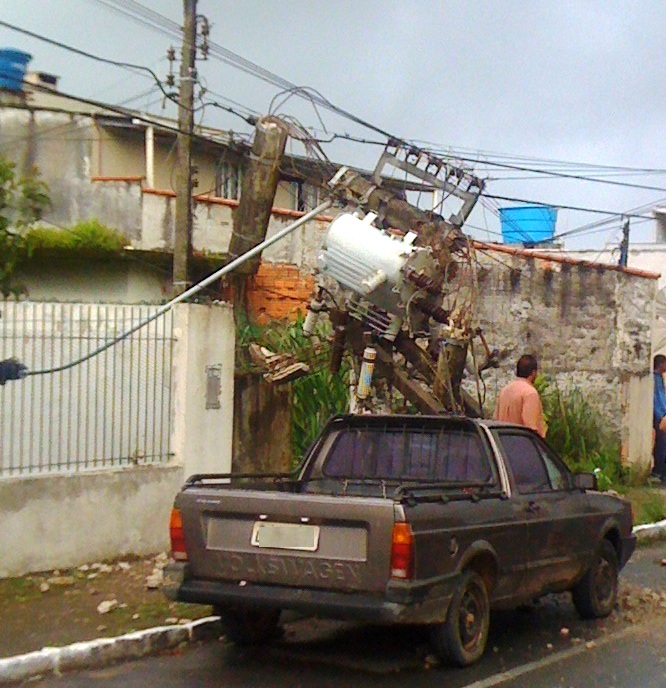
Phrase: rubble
pixel 106 606
pixel 61 580
pixel 154 580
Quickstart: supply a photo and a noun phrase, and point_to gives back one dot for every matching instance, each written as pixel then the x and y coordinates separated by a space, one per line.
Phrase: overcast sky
pixel 537 82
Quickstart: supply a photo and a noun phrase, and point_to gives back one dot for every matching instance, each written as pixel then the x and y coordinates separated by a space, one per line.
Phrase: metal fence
pixel 111 410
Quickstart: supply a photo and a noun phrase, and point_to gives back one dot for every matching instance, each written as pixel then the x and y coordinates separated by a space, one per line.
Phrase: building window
pixel 228 177
pixel 304 197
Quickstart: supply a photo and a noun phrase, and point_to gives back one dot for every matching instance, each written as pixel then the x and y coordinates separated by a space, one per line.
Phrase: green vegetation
pixel 577 433
pixel 87 235
pixel 317 396
pixel 649 503
pixel 23 201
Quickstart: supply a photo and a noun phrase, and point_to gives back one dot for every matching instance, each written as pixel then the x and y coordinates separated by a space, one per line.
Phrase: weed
pixel 578 434
pixel 89 235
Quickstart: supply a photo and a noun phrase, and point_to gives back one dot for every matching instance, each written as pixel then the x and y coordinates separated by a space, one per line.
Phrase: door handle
pixel 533 508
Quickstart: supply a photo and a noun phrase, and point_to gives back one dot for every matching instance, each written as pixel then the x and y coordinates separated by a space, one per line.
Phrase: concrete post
pixel 203 387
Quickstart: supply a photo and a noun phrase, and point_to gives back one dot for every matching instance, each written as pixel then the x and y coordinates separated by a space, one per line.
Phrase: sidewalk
pixel 106 612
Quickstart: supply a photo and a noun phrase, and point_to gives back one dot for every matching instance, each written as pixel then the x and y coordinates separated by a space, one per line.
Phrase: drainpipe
pixel 150 156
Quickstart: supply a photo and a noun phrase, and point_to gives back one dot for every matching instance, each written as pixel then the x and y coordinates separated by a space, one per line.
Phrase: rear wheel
pixel 596 594
pixel 248 626
pixel 462 638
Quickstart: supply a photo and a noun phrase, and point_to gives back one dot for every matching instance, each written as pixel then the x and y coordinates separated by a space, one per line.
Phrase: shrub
pixel 90 235
pixel 579 435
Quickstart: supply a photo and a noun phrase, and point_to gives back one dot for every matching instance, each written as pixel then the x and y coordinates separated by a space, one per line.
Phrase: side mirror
pixel 585 481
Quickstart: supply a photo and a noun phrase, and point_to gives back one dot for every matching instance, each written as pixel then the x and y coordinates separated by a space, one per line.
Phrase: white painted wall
pixel 202 436
pixel 637 395
pixel 60 521
pixel 213 225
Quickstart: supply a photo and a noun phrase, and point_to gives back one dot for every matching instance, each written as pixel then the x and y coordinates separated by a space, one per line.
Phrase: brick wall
pixel 278 291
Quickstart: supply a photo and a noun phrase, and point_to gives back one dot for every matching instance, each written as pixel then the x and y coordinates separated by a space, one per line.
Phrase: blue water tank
pixel 528 224
pixel 12 68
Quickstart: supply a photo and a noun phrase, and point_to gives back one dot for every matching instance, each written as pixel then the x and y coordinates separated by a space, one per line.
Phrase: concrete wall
pixel 62 521
pixel 651 257
pixel 95 281
pixel 589 327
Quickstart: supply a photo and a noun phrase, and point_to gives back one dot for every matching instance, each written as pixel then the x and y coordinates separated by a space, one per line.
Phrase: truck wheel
pixel 596 593
pixel 461 639
pixel 247 626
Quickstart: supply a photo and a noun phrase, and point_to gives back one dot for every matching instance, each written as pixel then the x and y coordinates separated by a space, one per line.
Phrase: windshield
pixel 439 455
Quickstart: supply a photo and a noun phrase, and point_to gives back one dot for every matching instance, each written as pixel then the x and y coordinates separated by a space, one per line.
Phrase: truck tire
pixel 248 626
pixel 462 638
pixel 596 593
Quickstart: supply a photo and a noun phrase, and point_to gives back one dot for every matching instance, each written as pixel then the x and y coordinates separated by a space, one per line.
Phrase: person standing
pixel 519 401
pixel 659 418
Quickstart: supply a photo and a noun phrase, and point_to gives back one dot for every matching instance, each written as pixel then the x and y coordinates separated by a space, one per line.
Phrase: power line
pixel 566 207
pixel 563 175
pixel 158 21
pixel 91 56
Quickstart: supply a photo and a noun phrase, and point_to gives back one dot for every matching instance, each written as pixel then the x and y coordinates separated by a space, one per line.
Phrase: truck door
pixel 544 495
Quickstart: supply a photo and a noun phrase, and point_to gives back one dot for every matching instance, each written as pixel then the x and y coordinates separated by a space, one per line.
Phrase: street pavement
pixel 541 647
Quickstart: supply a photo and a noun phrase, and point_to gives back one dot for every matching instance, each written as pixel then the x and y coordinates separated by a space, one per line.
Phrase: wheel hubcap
pixel 604 583
pixel 471 619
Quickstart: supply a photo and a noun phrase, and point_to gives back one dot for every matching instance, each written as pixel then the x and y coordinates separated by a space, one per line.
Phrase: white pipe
pixel 150 156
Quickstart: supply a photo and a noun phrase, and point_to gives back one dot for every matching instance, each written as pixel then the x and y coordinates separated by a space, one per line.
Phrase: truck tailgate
pixel 304 541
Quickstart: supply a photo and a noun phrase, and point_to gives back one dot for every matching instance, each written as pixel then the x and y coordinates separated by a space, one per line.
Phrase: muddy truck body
pixel 400 519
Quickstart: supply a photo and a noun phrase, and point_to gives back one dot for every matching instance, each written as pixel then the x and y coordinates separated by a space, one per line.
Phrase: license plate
pixel 285 536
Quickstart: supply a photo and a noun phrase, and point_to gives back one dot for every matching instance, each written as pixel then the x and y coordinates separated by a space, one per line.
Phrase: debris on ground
pixel 97 599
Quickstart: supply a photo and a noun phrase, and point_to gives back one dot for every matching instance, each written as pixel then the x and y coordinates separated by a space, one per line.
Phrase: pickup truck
pixel 400 519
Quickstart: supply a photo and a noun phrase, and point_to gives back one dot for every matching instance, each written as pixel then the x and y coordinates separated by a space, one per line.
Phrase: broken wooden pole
pixel 260 181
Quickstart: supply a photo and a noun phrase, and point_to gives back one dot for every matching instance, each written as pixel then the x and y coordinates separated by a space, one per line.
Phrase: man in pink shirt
pixel 519 402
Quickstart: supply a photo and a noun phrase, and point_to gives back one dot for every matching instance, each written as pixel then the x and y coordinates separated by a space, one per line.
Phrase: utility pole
pixel 624 245
pixel 182 249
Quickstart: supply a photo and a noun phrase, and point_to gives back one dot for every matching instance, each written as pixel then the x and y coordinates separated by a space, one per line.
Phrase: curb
pixel 651 531
pixel 97 653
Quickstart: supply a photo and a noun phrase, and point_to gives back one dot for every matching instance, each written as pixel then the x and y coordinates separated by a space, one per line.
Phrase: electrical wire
pixel 91 56
pixel 189 292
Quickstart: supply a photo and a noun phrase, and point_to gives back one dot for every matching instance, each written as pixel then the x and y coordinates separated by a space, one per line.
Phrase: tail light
pixel 178 549
pixel 402 551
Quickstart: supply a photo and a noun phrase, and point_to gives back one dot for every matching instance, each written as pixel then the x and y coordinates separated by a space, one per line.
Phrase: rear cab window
pixel 447 452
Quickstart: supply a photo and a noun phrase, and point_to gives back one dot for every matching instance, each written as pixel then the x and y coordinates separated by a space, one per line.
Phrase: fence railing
pixel 111 410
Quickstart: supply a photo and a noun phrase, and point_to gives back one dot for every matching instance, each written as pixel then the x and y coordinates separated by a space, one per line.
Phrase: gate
pixel 111 410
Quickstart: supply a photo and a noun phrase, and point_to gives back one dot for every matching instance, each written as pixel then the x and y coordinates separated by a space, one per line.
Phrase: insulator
pixel 435 312
pixel 365 376
pixel 422 281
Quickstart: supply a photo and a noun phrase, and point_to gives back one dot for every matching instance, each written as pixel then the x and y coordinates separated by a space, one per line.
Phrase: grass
pixel 649 503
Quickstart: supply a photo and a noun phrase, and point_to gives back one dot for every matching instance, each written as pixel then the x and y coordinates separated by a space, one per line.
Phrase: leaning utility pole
pixel 182 248
pixel 260 182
